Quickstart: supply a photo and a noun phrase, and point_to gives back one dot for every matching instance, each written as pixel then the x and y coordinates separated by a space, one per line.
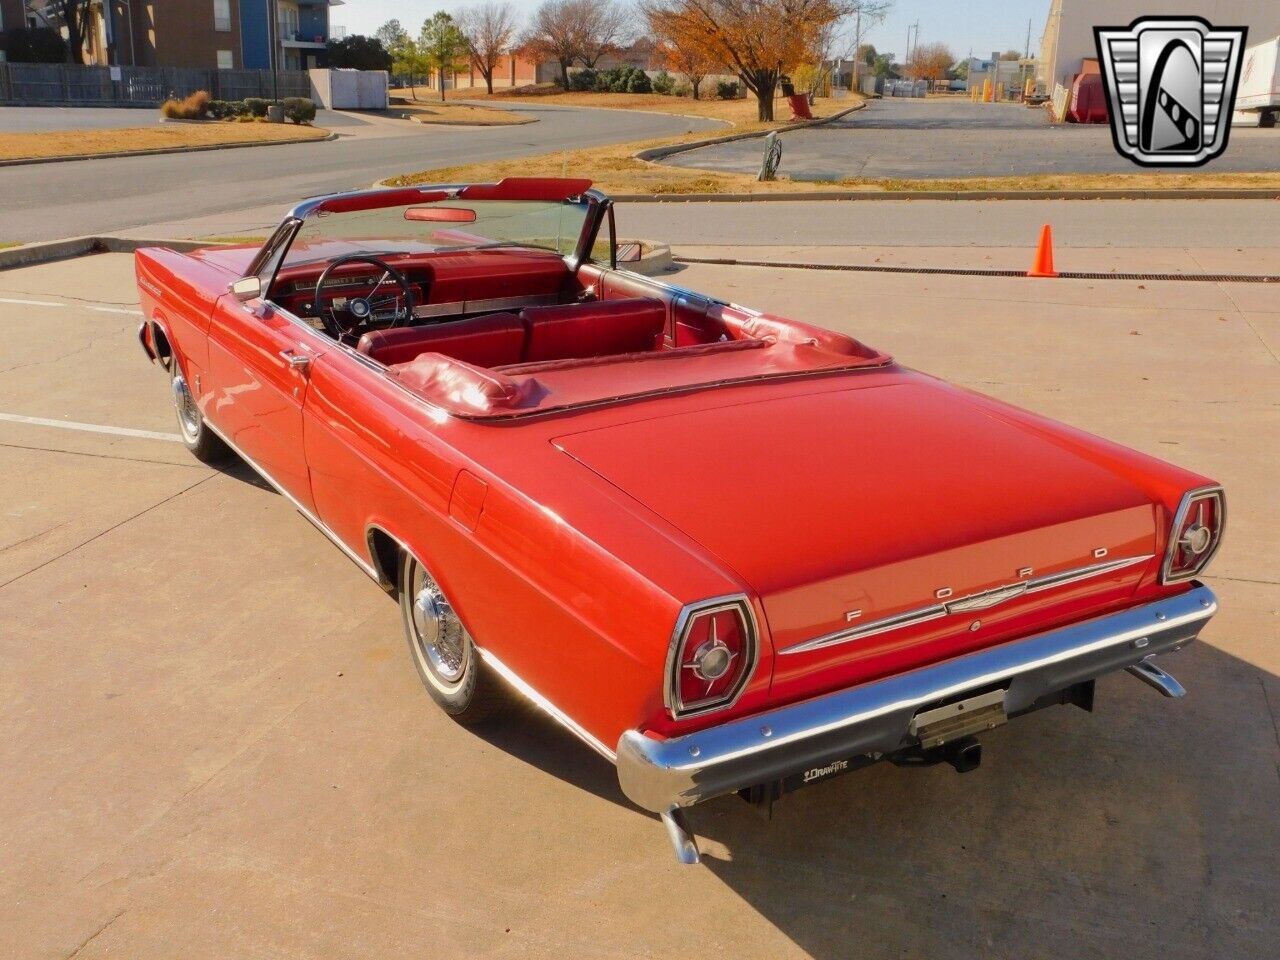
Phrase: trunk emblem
pixel 981 601
pixel 976 601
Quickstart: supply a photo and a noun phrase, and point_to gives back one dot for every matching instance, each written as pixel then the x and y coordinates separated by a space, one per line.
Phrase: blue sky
pixel 983 25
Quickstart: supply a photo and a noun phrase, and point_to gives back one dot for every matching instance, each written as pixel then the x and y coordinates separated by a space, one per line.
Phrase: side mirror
pixel 246 288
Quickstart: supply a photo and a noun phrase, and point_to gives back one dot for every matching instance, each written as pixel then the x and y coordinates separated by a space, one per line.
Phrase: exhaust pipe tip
pixel 964 754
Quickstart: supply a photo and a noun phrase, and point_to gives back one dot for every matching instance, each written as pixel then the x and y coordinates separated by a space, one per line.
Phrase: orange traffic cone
pixel 1043 265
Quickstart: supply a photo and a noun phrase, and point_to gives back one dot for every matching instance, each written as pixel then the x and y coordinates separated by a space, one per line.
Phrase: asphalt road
pixel 213 742
pixel 49 201
pixel 950 223
pixel 932 139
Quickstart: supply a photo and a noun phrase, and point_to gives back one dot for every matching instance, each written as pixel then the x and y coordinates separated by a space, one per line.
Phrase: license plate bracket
pixel 939 725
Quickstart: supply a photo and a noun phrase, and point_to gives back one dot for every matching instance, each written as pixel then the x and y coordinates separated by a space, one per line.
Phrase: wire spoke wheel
pixel 185 406
pixel 437 636
pixel 444 653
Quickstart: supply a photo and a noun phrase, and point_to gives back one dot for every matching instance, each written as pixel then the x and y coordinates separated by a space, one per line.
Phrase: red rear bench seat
pixel 489 341
pixel 596 329
pixel 561 332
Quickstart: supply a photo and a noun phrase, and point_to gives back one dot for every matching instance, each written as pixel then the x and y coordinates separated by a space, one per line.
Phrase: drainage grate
pixel 977 272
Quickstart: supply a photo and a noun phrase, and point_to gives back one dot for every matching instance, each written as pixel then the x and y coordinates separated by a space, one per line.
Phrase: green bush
pixel 584 79
pixel 299 109
pixel 727 90
pixel 664 83
pixel 639 82
pixel 256 106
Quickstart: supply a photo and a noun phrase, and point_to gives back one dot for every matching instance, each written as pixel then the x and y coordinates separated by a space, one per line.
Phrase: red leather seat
pixel 488 341
pixel 574 330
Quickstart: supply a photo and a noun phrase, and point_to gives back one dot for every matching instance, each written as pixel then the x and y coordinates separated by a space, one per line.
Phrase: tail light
pixel 713 652
pixel 1196 534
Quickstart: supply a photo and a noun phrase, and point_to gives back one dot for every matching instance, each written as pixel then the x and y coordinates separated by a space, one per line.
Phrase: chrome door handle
pixel 297 361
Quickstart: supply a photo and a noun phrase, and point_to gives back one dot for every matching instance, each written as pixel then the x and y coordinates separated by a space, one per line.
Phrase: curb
pixel 31 254
pixel 464 123
pixel 582 106
pixel 658 153
pixel 1226 193
pixel 978 271
pixel 163 150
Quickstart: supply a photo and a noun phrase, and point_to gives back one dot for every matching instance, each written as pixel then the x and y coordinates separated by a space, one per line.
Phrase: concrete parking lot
pixel 952 137
pixel 213 743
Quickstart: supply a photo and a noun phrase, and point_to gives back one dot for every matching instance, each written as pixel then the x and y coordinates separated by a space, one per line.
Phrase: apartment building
pixel 223 34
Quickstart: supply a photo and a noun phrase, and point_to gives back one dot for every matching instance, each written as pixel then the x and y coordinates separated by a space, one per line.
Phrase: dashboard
pixel 444 284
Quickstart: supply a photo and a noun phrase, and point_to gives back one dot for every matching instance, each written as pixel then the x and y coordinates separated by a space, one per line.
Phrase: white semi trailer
pixel 1258 95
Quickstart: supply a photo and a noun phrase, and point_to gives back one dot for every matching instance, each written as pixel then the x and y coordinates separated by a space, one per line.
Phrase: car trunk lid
pixel 871 507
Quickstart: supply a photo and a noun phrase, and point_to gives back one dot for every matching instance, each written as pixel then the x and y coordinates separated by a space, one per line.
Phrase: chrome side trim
pixel 545 705
pixel 974 601
pixel 874 718
pixel 507 674
pixel 315 521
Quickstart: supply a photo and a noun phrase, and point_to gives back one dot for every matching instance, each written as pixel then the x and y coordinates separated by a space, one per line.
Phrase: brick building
pixel 226 34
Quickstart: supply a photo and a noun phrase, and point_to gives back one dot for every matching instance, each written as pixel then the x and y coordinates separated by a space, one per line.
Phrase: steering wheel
pixel 363 310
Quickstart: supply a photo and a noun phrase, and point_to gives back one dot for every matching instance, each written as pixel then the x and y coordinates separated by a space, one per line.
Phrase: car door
pixel 260 360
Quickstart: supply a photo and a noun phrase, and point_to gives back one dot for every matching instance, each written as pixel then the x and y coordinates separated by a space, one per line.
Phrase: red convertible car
pixel 731 552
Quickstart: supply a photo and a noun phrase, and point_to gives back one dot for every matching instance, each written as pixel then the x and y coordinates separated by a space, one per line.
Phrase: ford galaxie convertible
pixel 730 552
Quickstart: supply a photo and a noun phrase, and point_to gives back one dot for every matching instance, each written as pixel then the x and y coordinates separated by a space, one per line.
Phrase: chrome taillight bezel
pixel 1185 506
pixel 739 604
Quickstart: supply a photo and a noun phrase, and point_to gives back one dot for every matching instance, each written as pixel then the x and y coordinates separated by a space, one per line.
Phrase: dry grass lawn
pixel 1082 181
pixel 88 143
pixel 426 110
pixel 615 169
pixel 737 112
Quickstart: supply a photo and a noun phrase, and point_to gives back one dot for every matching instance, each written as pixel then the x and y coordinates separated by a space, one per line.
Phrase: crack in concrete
pixel 72 300
pixel 89 345
pixel 103 456
pixel 34 536
pixel 97 933
pixel 103 533
pixel 1243 316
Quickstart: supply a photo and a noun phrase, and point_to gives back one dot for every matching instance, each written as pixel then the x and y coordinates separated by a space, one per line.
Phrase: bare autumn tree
pixel 681 54
pixel 603 27
pixel 930 62
pixel 490 29
pixel 553 35
pixel 760 39
pixel 77 17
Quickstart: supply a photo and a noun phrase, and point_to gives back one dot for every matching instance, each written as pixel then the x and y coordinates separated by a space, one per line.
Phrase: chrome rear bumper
pixel 664 775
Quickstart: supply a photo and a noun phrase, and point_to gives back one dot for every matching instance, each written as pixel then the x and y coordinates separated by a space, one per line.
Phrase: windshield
pixel 552 225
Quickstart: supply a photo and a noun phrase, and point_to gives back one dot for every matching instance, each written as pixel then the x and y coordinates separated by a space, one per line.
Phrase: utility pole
pixel 857 49
pixel 273 41
pixel 909 54
pixel 1027 55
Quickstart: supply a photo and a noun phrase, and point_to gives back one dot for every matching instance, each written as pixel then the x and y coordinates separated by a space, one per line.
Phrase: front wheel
pixel 205 445
pixel 443 652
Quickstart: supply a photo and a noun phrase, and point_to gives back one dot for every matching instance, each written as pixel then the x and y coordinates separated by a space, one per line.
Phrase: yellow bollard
pixel 1029 88
pixel 986 90
pixel 999 92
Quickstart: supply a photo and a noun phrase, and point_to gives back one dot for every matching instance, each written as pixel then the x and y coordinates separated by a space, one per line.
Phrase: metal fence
pixel 70 84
